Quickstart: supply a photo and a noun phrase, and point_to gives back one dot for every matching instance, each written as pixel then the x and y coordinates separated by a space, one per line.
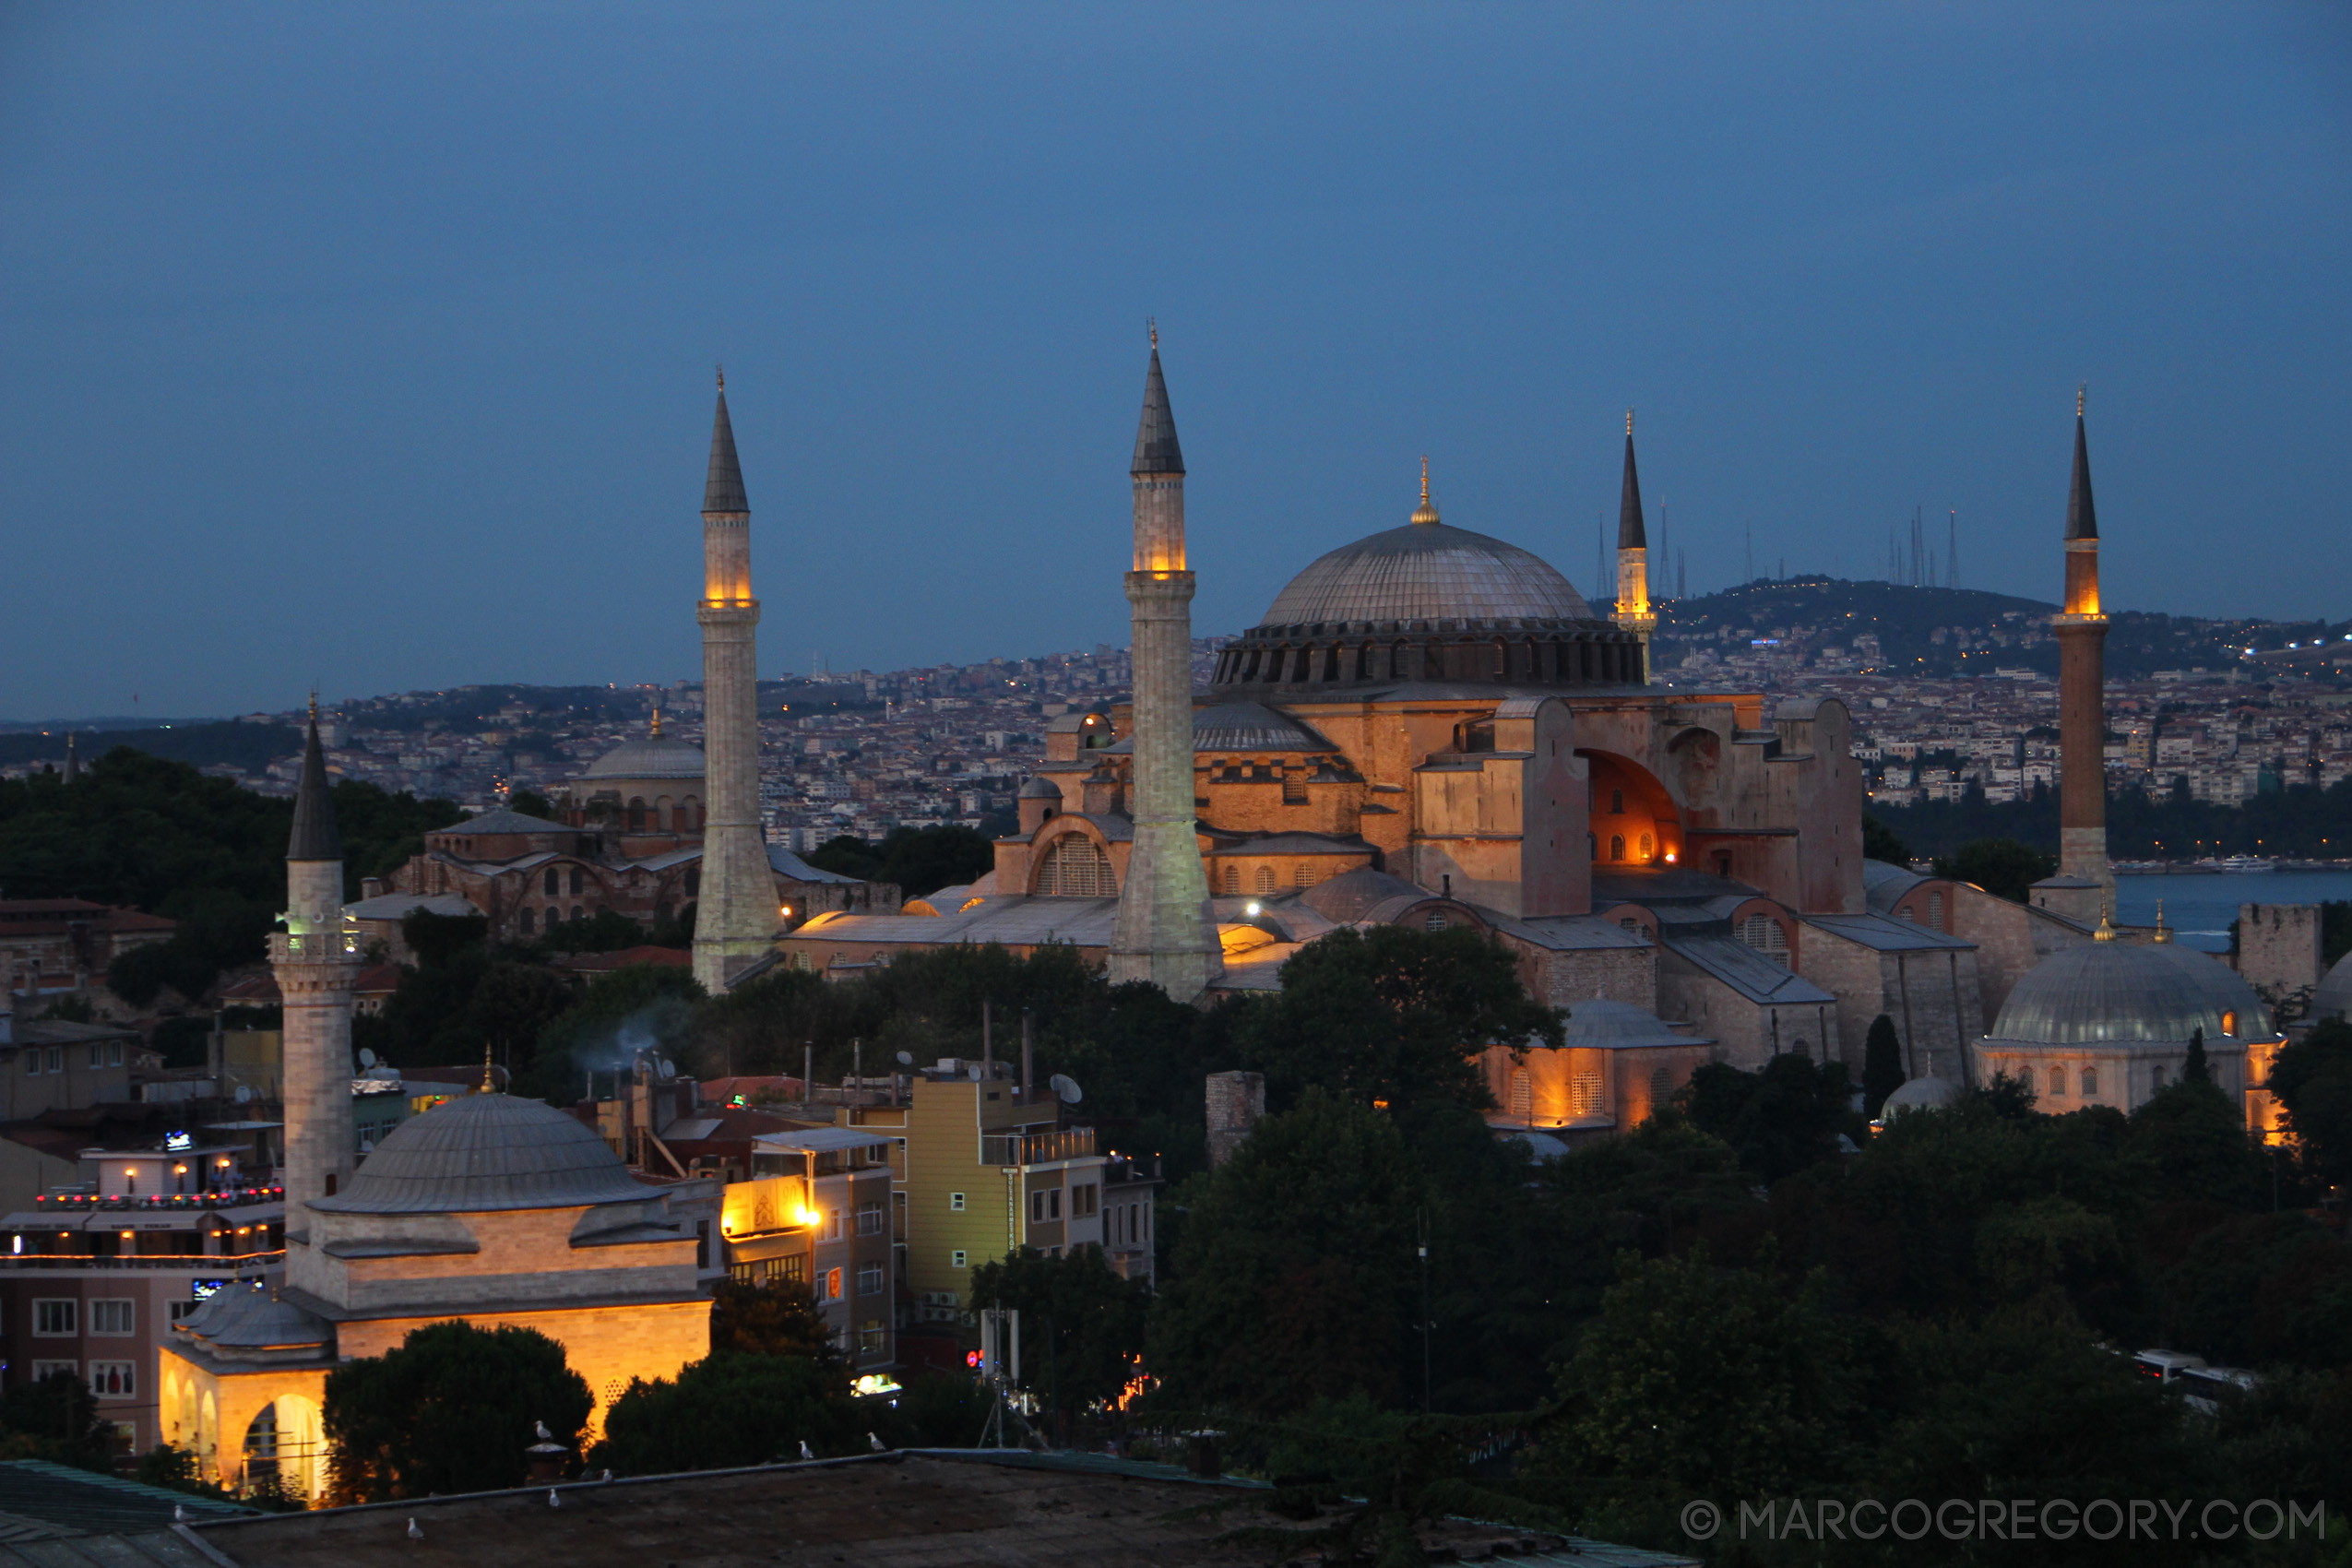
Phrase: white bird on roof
pixel 554 1501
pixel 876 1444
pixel 179 1514
pixel 544 1435
pixel 414 1533
pixel 806 1452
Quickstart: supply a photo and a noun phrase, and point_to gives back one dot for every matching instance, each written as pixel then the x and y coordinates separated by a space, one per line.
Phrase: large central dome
pixel 1427 571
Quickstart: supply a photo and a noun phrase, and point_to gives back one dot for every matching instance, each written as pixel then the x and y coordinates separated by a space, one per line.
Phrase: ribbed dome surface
pixel 2117 992
pixel 2333 997
pixel 656 756
pixel 485 1152
pixel 1921 1094
pixel 1428 571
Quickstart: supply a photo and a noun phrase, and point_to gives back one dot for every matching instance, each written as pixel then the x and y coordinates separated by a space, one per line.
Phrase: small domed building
pixel 489 1209
pixel 2109 1023
pixel 1617 1064
pixel 652 785
pixel 2332 1001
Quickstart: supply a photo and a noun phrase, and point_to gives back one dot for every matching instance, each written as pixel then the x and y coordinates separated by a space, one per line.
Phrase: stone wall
pixel 2278 953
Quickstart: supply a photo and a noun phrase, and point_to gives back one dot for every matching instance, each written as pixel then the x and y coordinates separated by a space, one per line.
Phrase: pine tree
pixel 1881 1064
pixel 2196 1072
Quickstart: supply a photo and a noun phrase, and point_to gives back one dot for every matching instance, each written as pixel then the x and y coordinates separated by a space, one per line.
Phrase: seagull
pixel 414 1533
pixel 806 1453
pixel 608 1472
pixel 179 1514
pixel 554 1501
pixel 876 1444
pixel 544 1435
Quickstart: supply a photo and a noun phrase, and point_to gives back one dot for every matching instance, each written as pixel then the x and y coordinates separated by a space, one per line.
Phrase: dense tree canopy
pixel 452 1409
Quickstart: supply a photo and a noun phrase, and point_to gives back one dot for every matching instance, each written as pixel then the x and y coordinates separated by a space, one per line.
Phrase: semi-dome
pixel 1425 572
pixel 2333 997
pixel 1929 1093
pixel 655 756
pixel 487 1152
pixel 2119 993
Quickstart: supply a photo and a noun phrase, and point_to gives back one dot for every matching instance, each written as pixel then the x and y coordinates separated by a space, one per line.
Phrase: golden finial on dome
pixel 2106 931
pixel 2163 931
pixel 1426 512
pixel 489 1083
pixel 656 721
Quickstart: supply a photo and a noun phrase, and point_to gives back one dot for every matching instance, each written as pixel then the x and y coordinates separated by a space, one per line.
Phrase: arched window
pixel 1765 935
pixel 1661 1086
pixel 636 813
pixel 1935 912
pixel 1648 847
pixel 578 911
pixel 694 881
pixel 1232 880
pixel 1616 804
pixel 1075 867
pixel 1585 1097
pixel 2058 1083
pixel 1302 874
pixel 689 815
pixel 2159 1075
pixel 1436 921
pixel 2229 1023
pixel 524 920
pixel 1265 879
pixel 1523 1095
pixel 2090 1083
pixel 575 881
pixel 553 882
pixel 1617 846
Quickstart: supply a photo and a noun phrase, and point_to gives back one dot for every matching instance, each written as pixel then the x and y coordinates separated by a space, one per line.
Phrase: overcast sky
pixel 372 345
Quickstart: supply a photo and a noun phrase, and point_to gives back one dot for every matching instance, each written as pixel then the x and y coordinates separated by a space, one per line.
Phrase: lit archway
pixel 1634 821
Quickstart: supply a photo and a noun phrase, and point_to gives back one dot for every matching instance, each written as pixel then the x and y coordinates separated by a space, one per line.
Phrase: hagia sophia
pixel 1430 728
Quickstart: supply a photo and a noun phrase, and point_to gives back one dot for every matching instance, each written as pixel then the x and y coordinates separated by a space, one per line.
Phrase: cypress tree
pixel 1881 1064
pixel 2196 1072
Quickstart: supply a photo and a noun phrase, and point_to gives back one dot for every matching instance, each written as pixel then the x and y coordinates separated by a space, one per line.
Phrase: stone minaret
pixel 1164 932
pixel 1633 610
pixel 316 961
pixel 735 917
pixel 2081 687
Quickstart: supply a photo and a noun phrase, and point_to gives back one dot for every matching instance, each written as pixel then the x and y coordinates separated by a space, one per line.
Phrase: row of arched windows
pixel 526 920
pixel 1075 867
pixel 661 816
pixel 1566 660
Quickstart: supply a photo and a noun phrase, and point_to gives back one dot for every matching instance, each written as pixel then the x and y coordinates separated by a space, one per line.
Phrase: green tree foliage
pixel 637 1007
pixel 1881 1064
pixel 452 1409
pixel 2300 820
pixel 2197 1070
pixel 2193 1138
pixel 2258 1290
pixel 920 859
pixel 2312 1079
pixel 2003 867
pixel 1082 1326
pixel 1392 1015
pixel 530 802
pixel 1880 843
pixel 56 1419
pixel 730 1410
pixel 606 930
pixel 1781 1118
pixel 779 1318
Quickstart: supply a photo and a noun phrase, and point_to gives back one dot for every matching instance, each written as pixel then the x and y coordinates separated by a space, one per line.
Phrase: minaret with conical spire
pixel 2081 626
pixel 316 962
pixel 735 918
pixel 1164 932
pixel 1634 612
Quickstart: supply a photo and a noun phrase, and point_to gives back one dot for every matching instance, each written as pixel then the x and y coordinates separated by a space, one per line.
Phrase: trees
pixel 451 1409
pixel 2196 1070
pixel 1880 843
pixel 779 1318
pixel 1390 1014
pixel 730 1409
pixel 2312 1079
pixel 1781 1118
pixel 1082 1326
pixel 2003 867
pixel 1881 1064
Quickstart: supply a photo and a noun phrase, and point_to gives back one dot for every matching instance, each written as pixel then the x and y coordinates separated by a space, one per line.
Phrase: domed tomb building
pixel 489 1209
pixel 2108 1022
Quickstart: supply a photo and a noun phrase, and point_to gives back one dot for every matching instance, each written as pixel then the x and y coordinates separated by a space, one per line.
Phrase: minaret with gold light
pixel 1164 932
pixel 1633 610
pixel 2081 627
pixel 735 914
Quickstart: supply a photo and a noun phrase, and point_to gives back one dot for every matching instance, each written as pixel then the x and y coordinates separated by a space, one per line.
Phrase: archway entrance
pixel 1634 825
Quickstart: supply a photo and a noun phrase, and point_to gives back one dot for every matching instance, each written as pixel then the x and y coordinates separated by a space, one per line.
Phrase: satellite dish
pixel 1065 1088
pixel 368 1057
pixel 245 1095
pixel 668 1069
pixel 974 1071
pixel 905 1059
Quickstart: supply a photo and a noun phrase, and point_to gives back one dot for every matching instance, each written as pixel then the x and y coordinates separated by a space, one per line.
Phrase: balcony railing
pixel 166 1202
pixel 196 1262
pixel 1036 1149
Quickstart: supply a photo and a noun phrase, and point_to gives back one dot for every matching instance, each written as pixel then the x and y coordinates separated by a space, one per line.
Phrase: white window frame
pixel 51 1369
pixel 870 1279
pixel 114 1380
pixel 960 1259
pixel 100 1309
pixel 870 1217
pixel 72 1313
pixel 954 1202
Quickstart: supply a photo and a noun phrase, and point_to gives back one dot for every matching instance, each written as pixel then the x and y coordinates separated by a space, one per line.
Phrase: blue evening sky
pixel 371 346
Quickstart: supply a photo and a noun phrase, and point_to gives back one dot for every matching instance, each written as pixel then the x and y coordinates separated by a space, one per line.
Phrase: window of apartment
pixel 51 1369
pixel 871 1337
pixel 115 1054
pixel 955 1203
pixel 98 1052
pixel 832 1283
pixel 870 1279
pixel 832 1231
pixel 1085 1202
pixel 112 1380
pixel 870 1217
pixel 959 1260
pixel 33 1063
pixel 1045 1206
pixel 53 1318
pixel 111 1314
pixel 56 1059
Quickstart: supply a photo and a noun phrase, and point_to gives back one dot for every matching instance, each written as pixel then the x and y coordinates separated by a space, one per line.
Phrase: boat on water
pixel 2247 863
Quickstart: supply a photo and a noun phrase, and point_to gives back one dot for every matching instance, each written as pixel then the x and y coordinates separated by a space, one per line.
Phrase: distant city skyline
pixel 372 349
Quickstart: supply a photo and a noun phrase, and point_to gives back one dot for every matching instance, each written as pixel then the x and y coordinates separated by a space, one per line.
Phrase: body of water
pixel 2201 908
